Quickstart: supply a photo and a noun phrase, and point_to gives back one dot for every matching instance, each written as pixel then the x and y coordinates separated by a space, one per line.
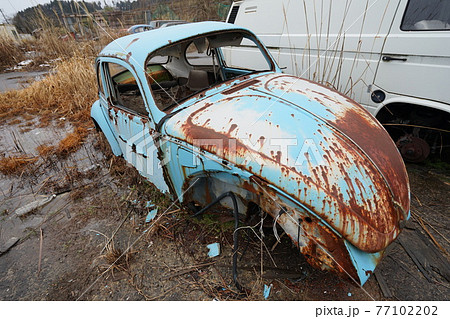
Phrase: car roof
pixel 140 25
pixel 135 47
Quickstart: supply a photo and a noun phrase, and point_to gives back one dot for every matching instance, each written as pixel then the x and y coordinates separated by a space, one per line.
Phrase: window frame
pixel 100 84
pixel 112 97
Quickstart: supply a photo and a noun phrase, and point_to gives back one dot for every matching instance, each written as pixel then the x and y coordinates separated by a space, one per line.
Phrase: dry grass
pixel 71 143
pixel 71 87
pixel 45 150
pixel 51 46
pixel 15 164
pixel 10 52
pixel 68 92
pixel 52 43
pixel 115 259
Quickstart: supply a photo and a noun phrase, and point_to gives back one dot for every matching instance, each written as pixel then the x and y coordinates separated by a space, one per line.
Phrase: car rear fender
pixel 323 247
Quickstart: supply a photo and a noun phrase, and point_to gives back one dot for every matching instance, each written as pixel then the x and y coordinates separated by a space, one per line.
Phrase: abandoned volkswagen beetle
pixel 179 105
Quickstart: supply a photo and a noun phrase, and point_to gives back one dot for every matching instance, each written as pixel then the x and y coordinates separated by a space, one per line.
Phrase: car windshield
pixel 185 68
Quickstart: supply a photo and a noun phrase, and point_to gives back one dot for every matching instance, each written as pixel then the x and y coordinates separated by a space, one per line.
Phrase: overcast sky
pixel 11 7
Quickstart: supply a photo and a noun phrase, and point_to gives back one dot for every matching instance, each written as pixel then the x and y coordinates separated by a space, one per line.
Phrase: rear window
pixel 426 15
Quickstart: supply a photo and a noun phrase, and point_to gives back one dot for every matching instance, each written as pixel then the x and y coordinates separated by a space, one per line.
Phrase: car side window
pixel 429 15
pixel 124 90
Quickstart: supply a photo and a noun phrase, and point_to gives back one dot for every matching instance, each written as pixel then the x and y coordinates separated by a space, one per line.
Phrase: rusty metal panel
pixel 305 155
pixel 313 159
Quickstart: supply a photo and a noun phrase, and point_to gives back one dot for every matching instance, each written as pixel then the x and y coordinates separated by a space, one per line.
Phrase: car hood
pixel 312 143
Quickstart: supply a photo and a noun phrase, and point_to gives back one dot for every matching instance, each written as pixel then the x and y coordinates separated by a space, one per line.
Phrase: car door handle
pixel 387 58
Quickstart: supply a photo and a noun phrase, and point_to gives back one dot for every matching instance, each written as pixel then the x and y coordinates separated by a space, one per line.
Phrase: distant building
pixel 9 31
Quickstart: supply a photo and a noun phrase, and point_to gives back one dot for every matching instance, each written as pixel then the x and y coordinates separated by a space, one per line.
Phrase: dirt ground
pixel 91 241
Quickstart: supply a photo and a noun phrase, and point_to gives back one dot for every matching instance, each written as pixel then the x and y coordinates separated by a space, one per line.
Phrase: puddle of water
pixel 19 190
pixel 12 225
pixel 13 140
pixel 19 80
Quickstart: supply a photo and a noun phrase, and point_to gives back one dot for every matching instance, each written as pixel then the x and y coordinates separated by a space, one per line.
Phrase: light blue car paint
pixel 98 116
pixel 311 158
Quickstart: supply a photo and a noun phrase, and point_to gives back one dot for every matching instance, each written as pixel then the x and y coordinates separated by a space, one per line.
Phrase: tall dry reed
pixel 11 52
pixel 68 92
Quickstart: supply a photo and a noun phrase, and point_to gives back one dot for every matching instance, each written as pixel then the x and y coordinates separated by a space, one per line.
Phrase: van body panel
pixel 358 47
pixel 333 44
pixel 425 72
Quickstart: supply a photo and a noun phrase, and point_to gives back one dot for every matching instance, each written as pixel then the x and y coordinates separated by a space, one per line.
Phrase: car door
pixel 416 56
pixel 129 118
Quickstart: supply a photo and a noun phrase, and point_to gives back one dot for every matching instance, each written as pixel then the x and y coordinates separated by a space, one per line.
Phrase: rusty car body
pixel 178 104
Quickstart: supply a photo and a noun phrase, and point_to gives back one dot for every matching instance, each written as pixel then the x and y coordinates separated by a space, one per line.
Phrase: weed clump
pixel 115 259
pixel 10 52
pixel 67 92
pixel 71 142
pixel 45 150
pixel 14 164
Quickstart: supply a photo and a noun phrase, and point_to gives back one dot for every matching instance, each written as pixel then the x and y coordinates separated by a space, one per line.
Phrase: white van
pixel 391 56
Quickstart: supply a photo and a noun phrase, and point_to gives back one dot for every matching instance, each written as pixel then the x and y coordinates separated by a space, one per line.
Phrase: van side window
pixel 233 14
pixel 429 15
pixel 124 90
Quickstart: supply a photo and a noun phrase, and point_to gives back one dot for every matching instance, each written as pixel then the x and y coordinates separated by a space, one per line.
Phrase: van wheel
pixel 419 132
pixel 413 149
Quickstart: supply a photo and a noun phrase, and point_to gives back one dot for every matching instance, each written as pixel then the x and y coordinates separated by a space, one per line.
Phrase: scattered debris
pixel 410 251
pixel 21 65
pixel 151 215
pixel 187 270
pixel 34 205
pixel 349 294
pixel 41 240
pixel 425 255
pixel 10 243
pixel 89 168
pixel 24 63
pixel 149 204
pixel 383 286
pixel 431 236
pixel 214 250
pixel 115 232
pixel 267 291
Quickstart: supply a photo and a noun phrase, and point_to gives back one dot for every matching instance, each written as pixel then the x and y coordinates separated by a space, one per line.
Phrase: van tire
pixel 415 128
